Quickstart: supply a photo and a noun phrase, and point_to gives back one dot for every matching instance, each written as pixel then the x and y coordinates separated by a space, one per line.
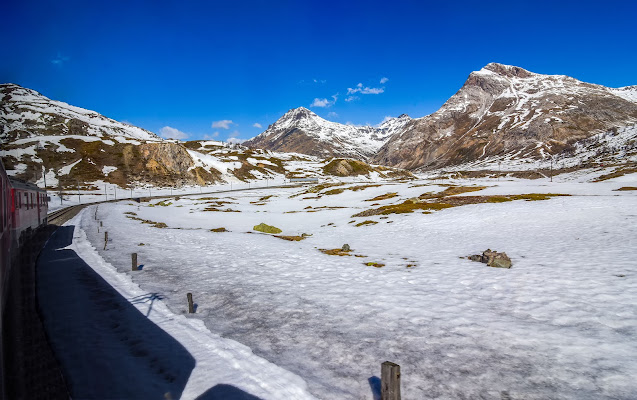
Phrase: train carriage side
pixel 5 229
pixel 29 209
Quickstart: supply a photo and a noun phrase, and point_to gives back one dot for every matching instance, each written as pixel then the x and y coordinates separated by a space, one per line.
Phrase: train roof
pixel 22 185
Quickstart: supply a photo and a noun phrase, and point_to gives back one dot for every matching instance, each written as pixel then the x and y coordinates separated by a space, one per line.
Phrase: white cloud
pixel 171 133
pixel 234 137
pixel 383 80
pixel 320 103
pixel 364 90
pixel 211 136
pixel 387 118
pixel 59 60
pixel 257 125
pixel 324 103
pixel 332 114
pixel 223 124
pixel 351 98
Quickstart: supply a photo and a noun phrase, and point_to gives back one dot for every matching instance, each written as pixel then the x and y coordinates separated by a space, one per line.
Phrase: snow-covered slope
pixel 26 113
pixel 507 111
pixel 302 131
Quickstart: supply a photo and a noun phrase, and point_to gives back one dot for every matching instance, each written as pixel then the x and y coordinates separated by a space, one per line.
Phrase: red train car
pixel 23 208
pixel 29 206
pixel 5 230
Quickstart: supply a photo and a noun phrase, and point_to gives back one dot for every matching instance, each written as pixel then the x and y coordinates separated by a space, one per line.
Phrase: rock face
pixel 302 131
pixel 509 112
pixel 492 259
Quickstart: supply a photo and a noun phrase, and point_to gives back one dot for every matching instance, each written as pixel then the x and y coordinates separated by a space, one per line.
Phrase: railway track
pixel 59 217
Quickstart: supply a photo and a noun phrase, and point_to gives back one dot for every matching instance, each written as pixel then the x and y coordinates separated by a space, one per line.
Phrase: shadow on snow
pixel 107 348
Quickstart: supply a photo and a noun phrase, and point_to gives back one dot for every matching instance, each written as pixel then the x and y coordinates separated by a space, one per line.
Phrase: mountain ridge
pixel 303 131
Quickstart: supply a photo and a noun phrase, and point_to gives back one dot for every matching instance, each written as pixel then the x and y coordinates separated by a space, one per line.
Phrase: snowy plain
pixel 560 324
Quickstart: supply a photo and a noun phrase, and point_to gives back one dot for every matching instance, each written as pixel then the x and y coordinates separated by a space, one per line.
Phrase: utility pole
pixel 105 193
pixel 551 169
pixel 79 199
pixel 44 176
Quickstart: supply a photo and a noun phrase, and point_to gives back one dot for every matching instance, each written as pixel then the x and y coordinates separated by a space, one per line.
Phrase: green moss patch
pixel 266 228
pixel 374 264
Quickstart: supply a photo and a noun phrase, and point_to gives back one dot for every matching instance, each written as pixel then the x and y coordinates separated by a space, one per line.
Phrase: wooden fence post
pixel 105 239
pixel 389 381
pixel 134 261
pixel 191 306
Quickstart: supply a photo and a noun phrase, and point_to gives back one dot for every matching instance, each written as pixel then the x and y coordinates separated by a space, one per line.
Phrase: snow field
pixel 562 323
pixel 218 360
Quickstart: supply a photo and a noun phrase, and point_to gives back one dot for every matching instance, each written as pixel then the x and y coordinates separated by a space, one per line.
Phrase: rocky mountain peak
pixel 508 71
pixel 507 111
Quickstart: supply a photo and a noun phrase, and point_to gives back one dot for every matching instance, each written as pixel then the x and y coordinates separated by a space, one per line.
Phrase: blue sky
pixel 189 65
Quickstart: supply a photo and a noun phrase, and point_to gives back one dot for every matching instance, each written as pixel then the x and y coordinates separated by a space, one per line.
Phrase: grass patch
pixel 316 188
pixel 535 196
pixel 625 188
pixel 374 264
pixel 409 206
pixel 403 208
pixel 149 222
pixel 617 173
pixel 336 252
pixel 213 208
pixel 291 238
pixel 222 229
pixel 384 196
pixel 368 222
pixel 334 191
pixel 451 191
pixel 498 199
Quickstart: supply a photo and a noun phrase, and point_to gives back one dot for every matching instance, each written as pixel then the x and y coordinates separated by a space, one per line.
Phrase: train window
pixel 26 201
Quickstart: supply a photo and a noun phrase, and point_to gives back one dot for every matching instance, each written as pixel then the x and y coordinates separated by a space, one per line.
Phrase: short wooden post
pixel 389 381
pixel 105 239
pixel 100 223
pixel 134 261
pixel 191 306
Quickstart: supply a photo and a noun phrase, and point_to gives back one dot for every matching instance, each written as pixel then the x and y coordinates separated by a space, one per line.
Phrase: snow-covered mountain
pixel 26 113
pixel 302 131
pixel 43 140
pixel 506 112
